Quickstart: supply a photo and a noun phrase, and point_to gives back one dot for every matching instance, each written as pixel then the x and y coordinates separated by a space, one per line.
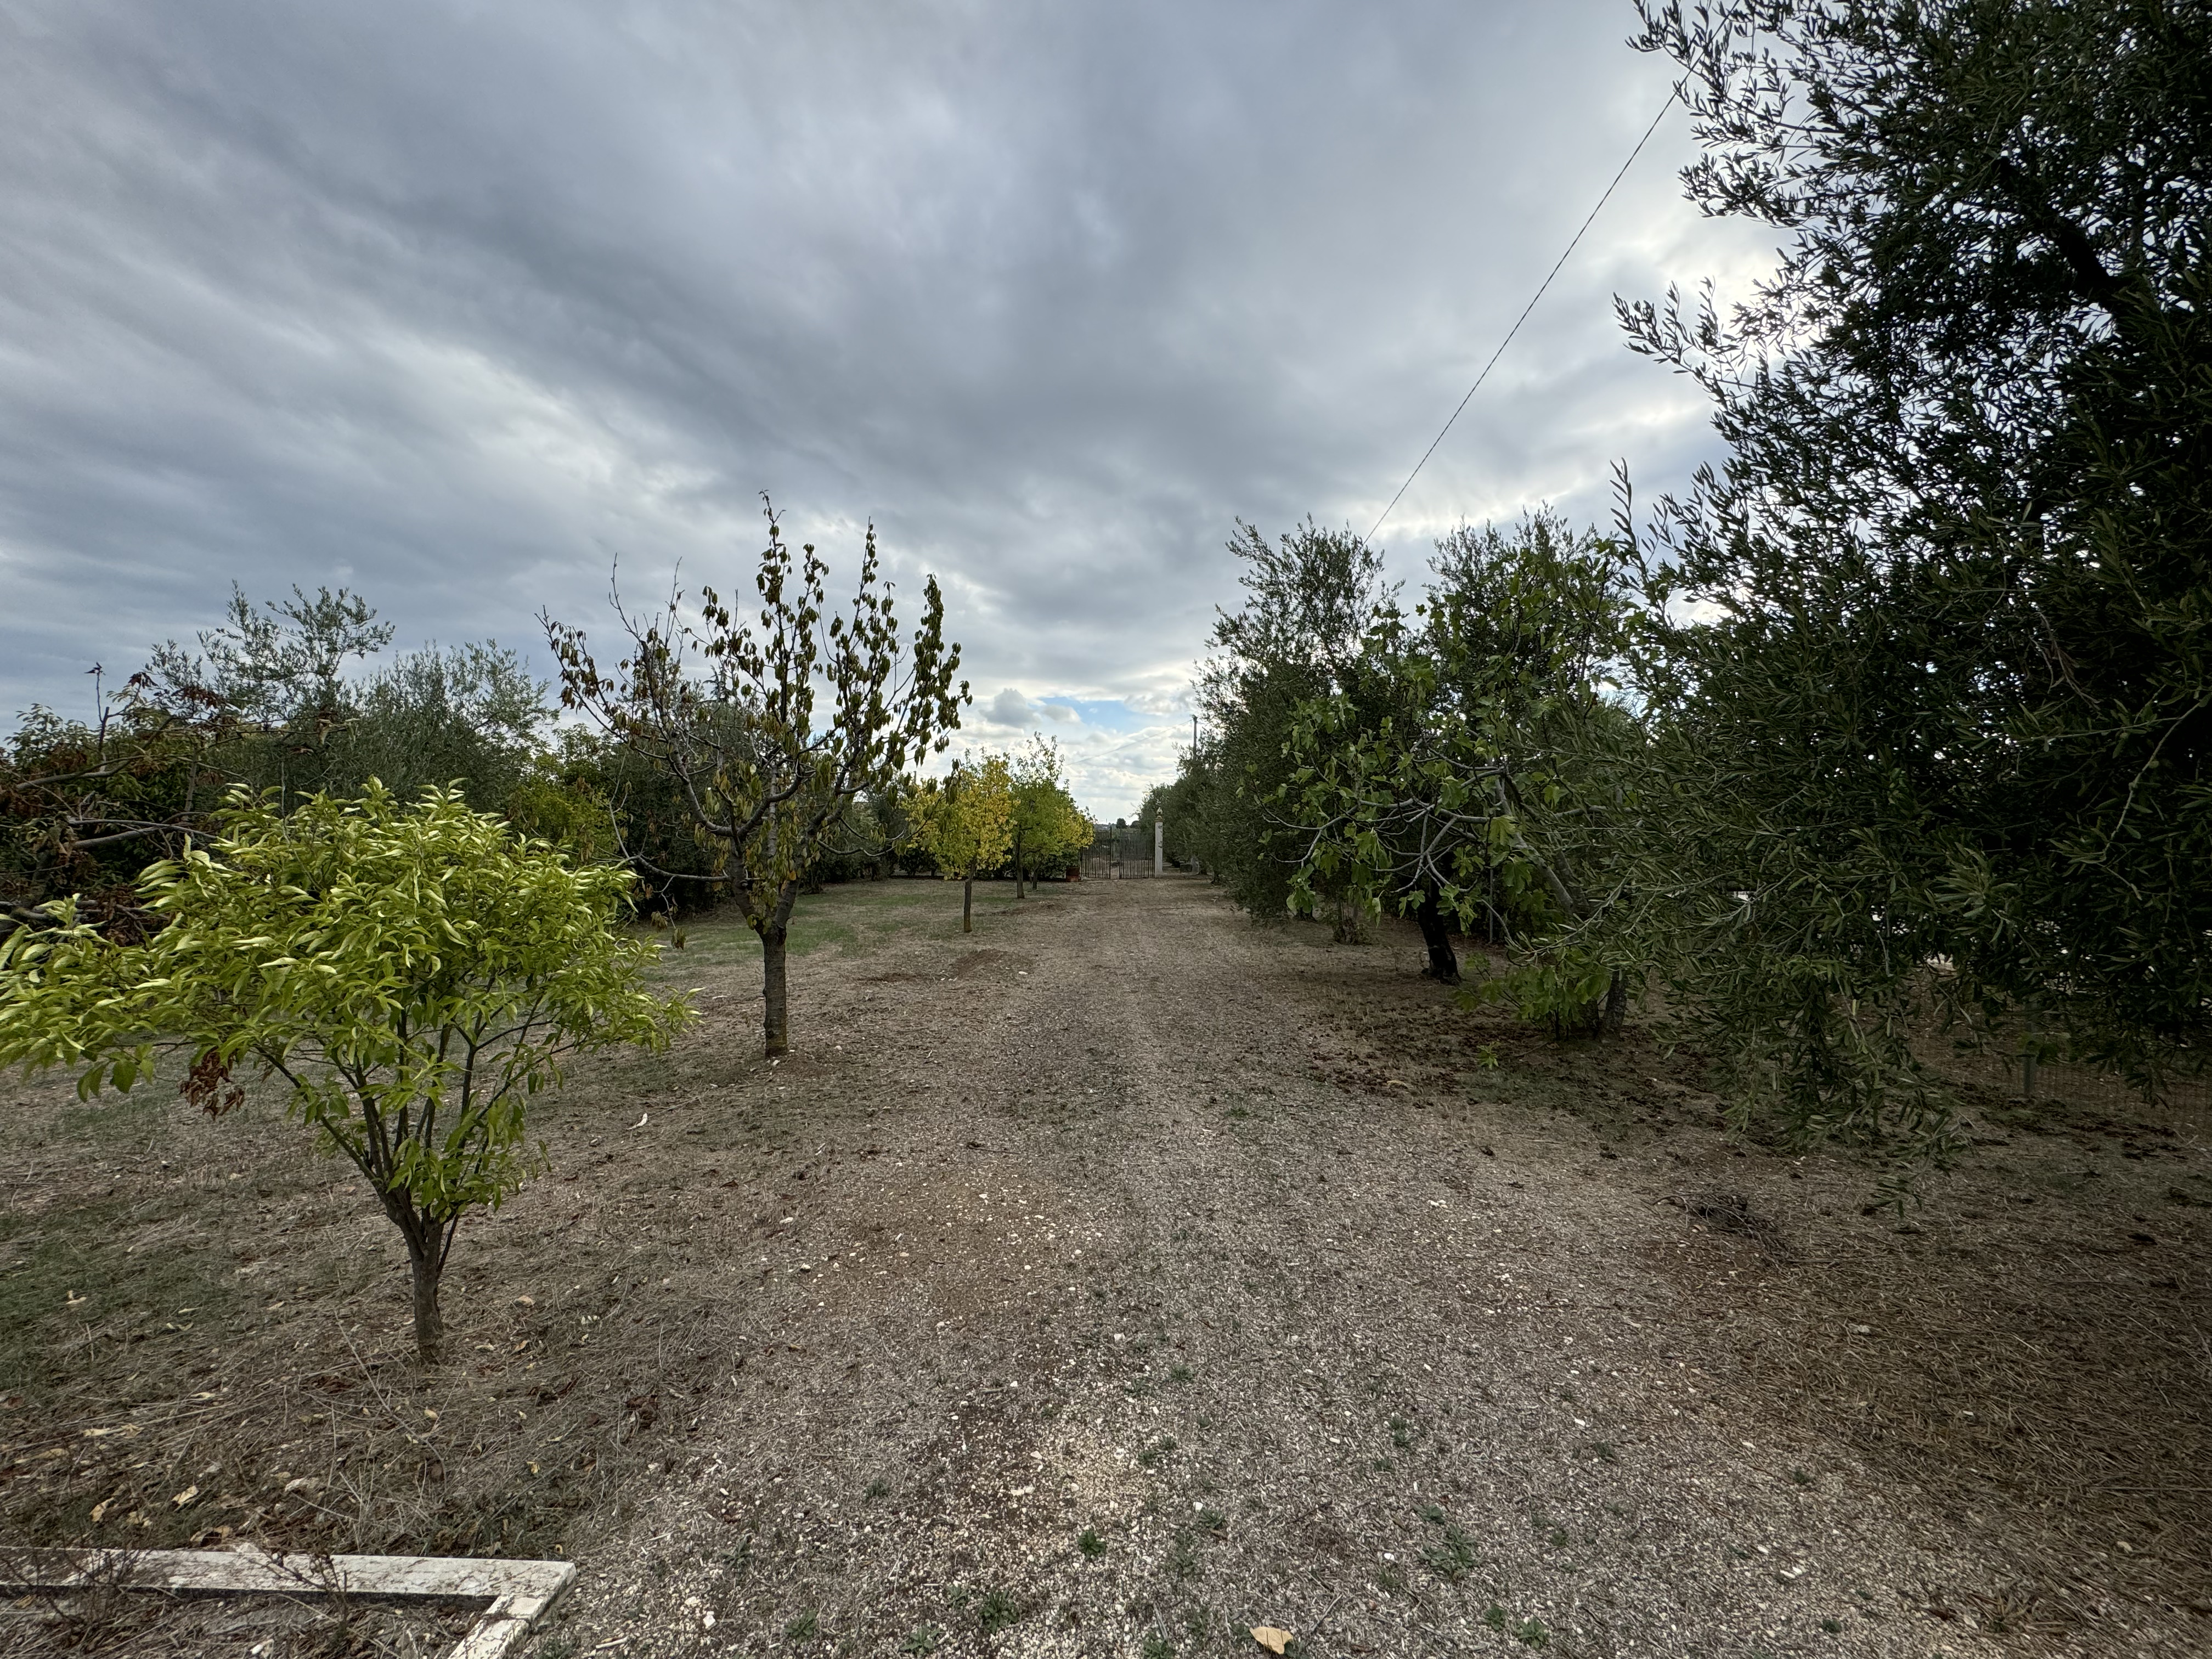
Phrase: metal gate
pixel 1120 852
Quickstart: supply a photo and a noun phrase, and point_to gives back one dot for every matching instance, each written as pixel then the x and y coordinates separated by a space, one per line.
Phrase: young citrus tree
pixel 730 717
pixel 413 972
pixel 1049 829
pixel 965 822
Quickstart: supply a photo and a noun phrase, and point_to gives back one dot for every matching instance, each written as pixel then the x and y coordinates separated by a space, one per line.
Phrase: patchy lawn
pixel 1123 1276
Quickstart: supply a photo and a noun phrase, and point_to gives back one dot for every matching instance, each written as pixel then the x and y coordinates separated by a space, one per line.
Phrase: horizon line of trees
pixel 290 699
pixel 1900 715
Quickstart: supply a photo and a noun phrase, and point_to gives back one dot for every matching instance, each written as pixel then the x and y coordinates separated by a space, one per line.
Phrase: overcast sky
pixel 458 304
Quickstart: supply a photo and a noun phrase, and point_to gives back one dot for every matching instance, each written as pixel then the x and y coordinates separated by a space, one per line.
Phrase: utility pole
pixel 1159 845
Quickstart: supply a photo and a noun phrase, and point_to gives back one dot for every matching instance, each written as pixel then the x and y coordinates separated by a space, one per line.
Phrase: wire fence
pixel 2004 1071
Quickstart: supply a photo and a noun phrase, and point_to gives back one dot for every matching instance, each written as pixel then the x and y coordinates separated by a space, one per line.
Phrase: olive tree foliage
pixel 1935 633
pixel 279 665
pixel 770 725
pixel 281 710
pixel 414 973
pixel 1475 765
pixel 469 715
pixel 1311 596
pixel 270 689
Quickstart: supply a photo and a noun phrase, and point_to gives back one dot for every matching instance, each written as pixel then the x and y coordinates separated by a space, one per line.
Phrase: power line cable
pixel 1672 94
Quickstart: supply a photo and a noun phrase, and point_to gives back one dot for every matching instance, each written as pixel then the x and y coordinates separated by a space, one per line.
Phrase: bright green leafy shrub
pixel 414 972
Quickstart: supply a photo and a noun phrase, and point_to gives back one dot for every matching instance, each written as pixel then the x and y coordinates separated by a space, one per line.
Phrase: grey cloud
pixel 1009 707
pixel 462 304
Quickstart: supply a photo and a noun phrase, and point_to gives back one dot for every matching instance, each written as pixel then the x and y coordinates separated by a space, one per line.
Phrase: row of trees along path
pixel 414 972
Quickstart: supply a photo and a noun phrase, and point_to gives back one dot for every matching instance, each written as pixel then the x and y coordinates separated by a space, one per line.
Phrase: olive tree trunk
pixel 967 904
pixel 1443 961
pixel 1615 1013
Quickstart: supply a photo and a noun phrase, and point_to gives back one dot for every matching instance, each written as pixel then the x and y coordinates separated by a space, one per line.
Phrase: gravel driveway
pixel 1114 1291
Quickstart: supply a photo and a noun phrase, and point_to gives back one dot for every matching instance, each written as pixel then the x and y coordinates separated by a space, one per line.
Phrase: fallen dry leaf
pixel 191 1493
pixel 1271 1638
pixel 100 1509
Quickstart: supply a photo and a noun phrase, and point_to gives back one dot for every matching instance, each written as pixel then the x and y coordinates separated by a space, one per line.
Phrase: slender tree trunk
pixel 1615 1012
pixel 1443 961
pixel 775 1026
pixel 1017 864
pixel 774 931
pixel 968 903
pixel 429 1323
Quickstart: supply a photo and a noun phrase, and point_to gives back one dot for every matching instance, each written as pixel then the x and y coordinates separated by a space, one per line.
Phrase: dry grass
pixel 2029 1344
pixel 208 1351
pixel 2035 1341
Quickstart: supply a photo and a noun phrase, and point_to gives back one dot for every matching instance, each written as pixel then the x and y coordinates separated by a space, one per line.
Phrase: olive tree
pixel 1937 621
pixel 1310 596
pixel 414 973
pixel 736 719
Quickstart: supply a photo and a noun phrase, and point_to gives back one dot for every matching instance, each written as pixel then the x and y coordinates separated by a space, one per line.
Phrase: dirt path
pixel 1117 1278
pixel 1106 1291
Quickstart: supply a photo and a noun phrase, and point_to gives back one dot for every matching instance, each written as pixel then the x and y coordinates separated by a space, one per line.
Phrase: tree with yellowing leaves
pixel 965 822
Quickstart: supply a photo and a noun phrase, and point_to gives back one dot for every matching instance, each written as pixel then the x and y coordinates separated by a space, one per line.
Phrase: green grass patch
pixel 855 918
